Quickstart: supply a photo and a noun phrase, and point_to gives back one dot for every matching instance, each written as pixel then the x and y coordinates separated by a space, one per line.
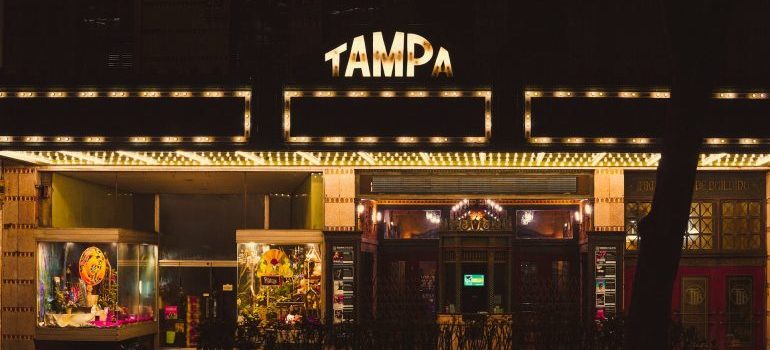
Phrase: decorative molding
pixel 453 201
pixel 339 228
pixel 609 199
pixel 339 199
pixel 609 228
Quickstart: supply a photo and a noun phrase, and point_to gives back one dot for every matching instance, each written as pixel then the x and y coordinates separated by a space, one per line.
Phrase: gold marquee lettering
pixel 389 62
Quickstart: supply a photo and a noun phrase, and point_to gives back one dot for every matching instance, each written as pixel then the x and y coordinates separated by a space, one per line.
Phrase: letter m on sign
pixel 387 59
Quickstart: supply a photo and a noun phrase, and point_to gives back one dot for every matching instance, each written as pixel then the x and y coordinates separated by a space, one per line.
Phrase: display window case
pixel 280 276
pixel 95 284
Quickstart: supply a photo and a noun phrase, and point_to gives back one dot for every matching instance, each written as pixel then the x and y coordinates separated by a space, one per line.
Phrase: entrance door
pixel 723 306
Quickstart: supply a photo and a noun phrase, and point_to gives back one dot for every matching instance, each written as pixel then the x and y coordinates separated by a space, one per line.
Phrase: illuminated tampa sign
pixel 389 62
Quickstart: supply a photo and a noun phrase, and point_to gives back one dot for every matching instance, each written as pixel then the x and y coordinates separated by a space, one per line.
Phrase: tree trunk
pixel 688 29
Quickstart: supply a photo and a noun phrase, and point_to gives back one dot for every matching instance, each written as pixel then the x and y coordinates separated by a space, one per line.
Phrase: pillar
pixel 17 293
pixel 339 199
pixel 609 209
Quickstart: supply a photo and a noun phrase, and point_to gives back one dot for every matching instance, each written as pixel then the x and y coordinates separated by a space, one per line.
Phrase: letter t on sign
pixel 334 56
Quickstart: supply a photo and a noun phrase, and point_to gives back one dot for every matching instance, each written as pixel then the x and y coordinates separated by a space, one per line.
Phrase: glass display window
pixel 280 282
pixel 95 278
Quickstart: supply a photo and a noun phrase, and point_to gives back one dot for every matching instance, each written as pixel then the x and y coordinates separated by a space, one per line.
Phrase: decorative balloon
pixel 275 262
pixel 92 266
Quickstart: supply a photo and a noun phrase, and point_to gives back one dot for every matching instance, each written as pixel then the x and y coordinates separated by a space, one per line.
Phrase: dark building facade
pixel 166 162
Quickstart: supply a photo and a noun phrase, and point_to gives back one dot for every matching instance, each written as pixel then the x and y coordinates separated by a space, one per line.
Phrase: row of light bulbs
pixel 374 159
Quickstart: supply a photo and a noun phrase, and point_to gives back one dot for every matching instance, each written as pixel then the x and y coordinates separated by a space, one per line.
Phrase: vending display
pixel 606 282
pixel 343 278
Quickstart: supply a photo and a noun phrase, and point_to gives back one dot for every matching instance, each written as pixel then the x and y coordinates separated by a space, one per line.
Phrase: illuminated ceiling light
pixel 653 160
pixel 474 139
pixel 324 94
pixel 597 157
pixel 2 94
pixel 6 138
pixel 533 93
pixel 243 93
pixel 88 94
pixel 541 140
pixel 252 157
pixel 595 94
pixel 171 139
pixel 640 140
pixel 239 139
pixel 202 139
pixel 181 94
pixel 139 157
pixel 358 94
pixel 607 140
pixel 118 94
pixel 417 94
pixel 660 94
pixel 716 141
pixel 139 139
pixel 574 140
pixel 387 94
pixel 213 94
pixel 366 156
pixel 762 160
pixel 57 94
pixel 33 139
pixel 757 95
pixel 309 157
pixel 451 94
pixel 299 139
pixel 406 139
pixel 367 139
pixel 94 139
pixel 748 141
pixel 628 94
pixel 527 216
pixel 194 157
pixel 63 139
pixel 150 94
pixel 26 157
pixel 562 94
pixel 438 139
pixel 25 94
pixel 84 156
pixel 425 157
pixel 333 139
pixel 711 158
pixel 726 95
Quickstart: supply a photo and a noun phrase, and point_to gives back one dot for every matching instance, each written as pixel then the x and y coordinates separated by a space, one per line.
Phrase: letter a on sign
pixel 358 58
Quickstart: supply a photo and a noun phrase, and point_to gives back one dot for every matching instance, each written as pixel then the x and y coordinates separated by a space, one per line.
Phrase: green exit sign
pixel 473 280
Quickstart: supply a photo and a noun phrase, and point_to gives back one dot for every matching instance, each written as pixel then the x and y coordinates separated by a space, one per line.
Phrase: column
pixel 17 274
pixel 609 208
pixel 767 265
pixel 339 199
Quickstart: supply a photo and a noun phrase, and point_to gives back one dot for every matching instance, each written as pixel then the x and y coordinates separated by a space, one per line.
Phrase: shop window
pixel 544 224
pixel 700 225
pixel 283 282
pixel 411 224
pixel 741 225
pixel 635 211
pixel 740 322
